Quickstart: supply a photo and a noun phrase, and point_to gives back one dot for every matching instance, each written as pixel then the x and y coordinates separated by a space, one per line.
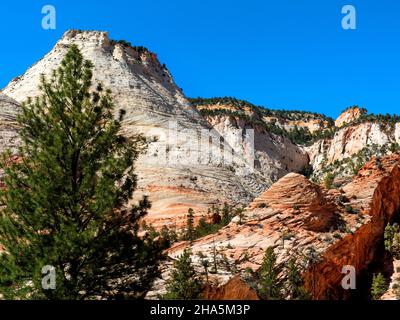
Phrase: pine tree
pixel 328 180
pixel 226 214
pixel 396 245
pixel 312 257
pixel 240 214
pixel 295 284
pixel 168 235
pixel 190 231
pixel 152 233
pixel 391 239
pixel 65 199
pixel 203 228
pixel 271 285
pixel 215 259
pixel 388 237
pixel 184 283
pixel 205 263
pixel 379 286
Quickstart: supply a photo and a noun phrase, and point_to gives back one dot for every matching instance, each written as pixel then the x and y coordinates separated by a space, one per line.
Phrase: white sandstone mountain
pixel 173 172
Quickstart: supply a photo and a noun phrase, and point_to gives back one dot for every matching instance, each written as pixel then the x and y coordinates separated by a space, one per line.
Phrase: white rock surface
pixel 8 126
pixel 173 172
pixel 397 133
pixel 350 140
pixel 393 292
pixel 274 155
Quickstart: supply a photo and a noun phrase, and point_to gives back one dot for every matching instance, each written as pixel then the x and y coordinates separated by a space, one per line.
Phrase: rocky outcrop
pixel 9 139
pixel 287 120
pixel 351 140
pixel 175 172
pixel 293 216
pixel 313 125
pixel 311 204
pixel 347 228
pixel 275 155
pixel 357 137
pixel 393 292
pixel 9 109
pixel 374 193
pixel 234 289
pixel 349 115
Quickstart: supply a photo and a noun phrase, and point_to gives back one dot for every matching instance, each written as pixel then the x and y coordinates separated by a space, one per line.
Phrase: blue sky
pixel 281 54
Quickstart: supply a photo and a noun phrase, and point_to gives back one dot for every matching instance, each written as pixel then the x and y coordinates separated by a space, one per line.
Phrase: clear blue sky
pixel 281 54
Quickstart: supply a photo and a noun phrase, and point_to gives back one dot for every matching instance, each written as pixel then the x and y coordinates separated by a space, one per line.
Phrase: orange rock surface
pixel 306 200
pixel 234 289
pixel 343 227
pixel 375 192
pixel 348 116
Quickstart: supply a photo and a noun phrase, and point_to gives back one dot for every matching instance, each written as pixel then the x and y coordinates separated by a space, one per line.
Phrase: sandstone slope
pixel 9 109
pixel 324 230
pixel 174 172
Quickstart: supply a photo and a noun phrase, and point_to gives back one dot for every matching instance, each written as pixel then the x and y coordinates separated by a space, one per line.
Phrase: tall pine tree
pixel 271 285
pixel 379 286
pixel 184 283
pixel 65 199
pixel 190 230
pixel 295 289
pixel 226 215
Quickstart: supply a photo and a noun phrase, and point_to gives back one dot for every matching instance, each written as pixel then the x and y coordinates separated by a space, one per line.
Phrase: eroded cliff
pixel 298 218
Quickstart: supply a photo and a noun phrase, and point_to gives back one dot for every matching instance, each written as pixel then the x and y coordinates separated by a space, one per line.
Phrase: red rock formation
pixel 290 217
pixel 234 289
pixel 349 115
pixel 363 207
pixel 374 192
pixel 307 201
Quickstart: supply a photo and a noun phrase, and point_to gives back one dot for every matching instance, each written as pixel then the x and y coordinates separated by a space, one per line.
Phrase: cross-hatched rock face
pixel 8 123
pixel 190 162
pixel 304 221
pixel 174 172
pixel 139 83
pixel 9 139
